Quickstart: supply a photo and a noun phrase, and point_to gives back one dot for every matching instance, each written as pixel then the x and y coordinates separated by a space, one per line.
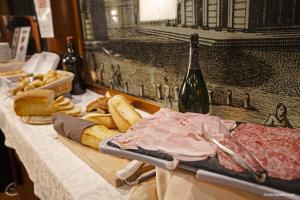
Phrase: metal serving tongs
pixel 259 176
pixel 142 178
pixel 249 155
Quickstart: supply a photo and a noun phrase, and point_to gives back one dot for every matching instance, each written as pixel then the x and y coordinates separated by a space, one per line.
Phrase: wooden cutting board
pixel 37 120
pixel 103 164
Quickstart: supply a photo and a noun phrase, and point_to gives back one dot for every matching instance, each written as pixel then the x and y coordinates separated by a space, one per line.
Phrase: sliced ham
pixel 127 141
pixel 174 133
pixel 187 146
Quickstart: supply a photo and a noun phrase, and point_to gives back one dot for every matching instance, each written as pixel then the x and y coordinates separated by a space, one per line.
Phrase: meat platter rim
pixel 150 157
pixel 107 147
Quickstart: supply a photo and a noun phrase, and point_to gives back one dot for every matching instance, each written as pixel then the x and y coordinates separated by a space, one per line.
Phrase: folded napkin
pixel 70 127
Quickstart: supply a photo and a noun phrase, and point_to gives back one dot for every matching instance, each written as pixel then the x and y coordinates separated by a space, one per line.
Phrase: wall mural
pixel 249 54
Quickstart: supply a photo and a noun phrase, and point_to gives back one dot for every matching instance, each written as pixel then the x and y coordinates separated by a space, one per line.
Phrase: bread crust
pixel 102 119
pixel 98 103
pixel 93 135
pixel 123 113
pixel 35 102
pixel 36 95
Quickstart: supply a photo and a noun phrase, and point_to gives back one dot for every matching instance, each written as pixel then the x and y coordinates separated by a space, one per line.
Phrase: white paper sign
pixel 44 15
pixel 151 10
pixel 14 42
pixel 22 43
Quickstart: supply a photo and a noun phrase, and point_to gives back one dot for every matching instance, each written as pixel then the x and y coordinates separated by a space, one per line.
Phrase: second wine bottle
pixel 72 62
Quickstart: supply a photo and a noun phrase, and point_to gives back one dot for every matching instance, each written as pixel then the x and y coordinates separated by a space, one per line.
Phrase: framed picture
pixel 22 43
pixel 249 54
pixel 14 42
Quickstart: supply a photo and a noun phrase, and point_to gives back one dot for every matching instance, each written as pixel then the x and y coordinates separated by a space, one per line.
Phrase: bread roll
pixel 36 83
pixel 39 76
pixel 35 102
pixel 29 87
pixel 52 73
pixel 123 114
pixel 15 90
pixel 93 135
pixel 25 82
pixel 50 80
pixel 102 119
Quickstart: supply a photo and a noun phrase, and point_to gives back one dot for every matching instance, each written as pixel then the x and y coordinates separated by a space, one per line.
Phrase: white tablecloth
pixel 57 173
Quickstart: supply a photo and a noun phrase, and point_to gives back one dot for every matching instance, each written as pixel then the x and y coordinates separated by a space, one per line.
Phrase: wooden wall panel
pixel 35 33
pixel 4 8
pixel 6 36
pixel 66 21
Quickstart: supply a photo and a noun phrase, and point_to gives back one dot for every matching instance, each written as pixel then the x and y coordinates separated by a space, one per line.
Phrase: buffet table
pixel 57 172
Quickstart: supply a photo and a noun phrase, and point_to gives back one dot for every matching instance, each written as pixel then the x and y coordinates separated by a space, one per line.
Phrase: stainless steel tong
pixel 249 155
pixel 142 178
pixel 259 176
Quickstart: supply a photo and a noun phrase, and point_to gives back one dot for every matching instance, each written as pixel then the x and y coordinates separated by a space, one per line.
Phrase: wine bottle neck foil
pixel 194 58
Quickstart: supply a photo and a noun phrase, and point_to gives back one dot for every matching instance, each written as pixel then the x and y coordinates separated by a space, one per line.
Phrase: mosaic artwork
pixel 249 54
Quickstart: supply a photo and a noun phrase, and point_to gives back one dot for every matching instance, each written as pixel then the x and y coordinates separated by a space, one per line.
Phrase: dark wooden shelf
pixel 142 104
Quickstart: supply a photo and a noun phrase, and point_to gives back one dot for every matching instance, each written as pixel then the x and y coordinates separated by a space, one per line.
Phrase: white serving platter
pixel 245 185
pixel 200 174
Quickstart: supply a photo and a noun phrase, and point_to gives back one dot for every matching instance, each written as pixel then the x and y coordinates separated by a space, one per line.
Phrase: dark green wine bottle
pixel 193 94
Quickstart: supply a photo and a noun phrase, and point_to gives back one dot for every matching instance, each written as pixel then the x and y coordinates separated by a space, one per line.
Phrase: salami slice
pixel 277 149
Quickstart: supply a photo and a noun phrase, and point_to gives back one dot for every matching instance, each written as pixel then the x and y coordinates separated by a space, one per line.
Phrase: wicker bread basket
pixel 62 85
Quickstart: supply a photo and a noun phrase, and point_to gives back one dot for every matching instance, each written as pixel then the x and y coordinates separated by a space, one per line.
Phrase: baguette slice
pixel 34 103
pixel 93 135
pixel 59 99
pixel 123 114
pixel 64 102
pixel 68 106
pixel 37 120
pixel 102 119
pixel 75 111
pixel 98 103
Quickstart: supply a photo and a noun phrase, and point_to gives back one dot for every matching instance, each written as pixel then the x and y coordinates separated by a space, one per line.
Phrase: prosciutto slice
pixel 174 133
